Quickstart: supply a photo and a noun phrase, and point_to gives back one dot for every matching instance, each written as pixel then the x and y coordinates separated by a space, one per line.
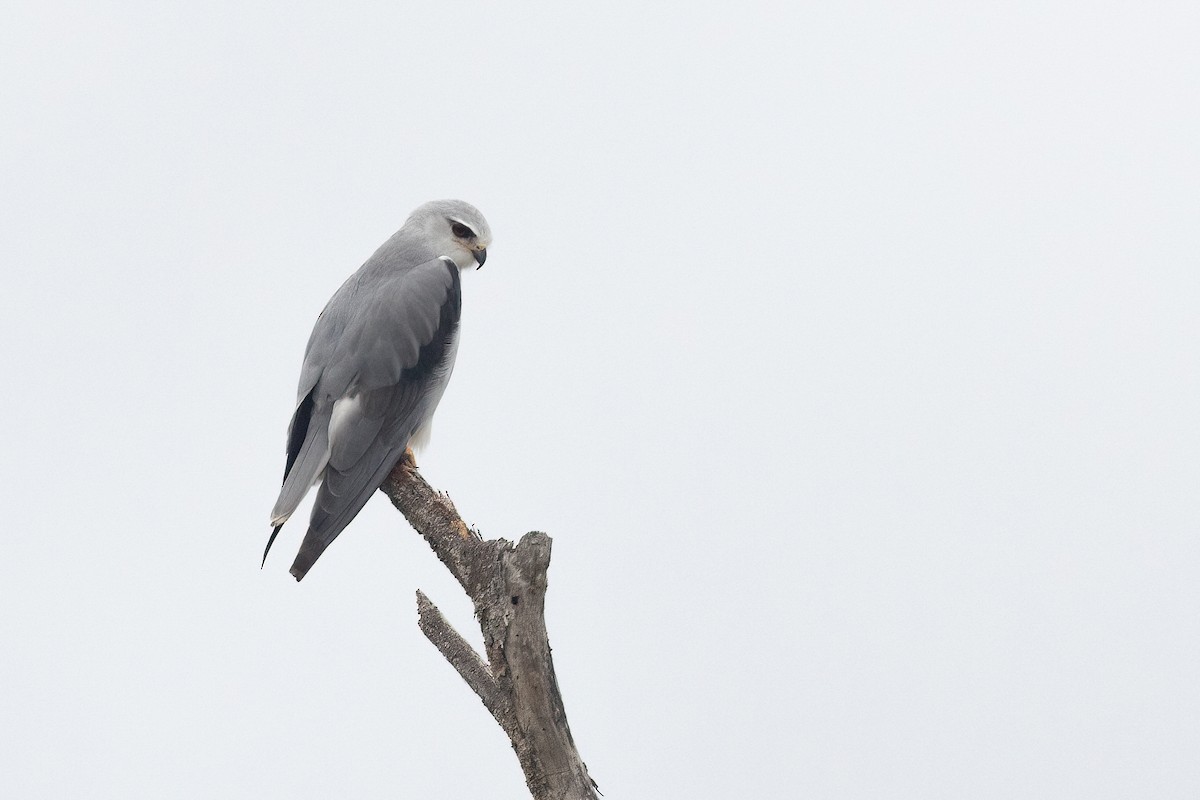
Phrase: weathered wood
pixel 507 584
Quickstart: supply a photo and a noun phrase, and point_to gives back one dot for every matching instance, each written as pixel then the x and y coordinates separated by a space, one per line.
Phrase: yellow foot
pixel 405 468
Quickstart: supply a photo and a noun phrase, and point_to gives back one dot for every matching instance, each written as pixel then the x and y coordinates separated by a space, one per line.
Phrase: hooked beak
pixel 480 257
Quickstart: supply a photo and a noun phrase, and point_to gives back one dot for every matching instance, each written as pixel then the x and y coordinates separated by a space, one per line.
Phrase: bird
pixel 377 363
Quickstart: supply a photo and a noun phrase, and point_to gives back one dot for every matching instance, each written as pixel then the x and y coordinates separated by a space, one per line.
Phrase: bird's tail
pixel 340 498
pixel 270 542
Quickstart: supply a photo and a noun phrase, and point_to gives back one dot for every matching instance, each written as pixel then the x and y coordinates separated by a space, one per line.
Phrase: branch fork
pixel 507 584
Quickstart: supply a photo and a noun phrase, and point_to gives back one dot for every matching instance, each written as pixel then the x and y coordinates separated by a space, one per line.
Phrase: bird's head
pixel 456 229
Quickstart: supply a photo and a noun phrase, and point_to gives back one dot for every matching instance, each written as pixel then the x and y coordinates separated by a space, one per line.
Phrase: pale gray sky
pixel 848 352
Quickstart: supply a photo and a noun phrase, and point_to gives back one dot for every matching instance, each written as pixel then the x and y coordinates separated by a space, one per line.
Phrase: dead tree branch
pixel 507 584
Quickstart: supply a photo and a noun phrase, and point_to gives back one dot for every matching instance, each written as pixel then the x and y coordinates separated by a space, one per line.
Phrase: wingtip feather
pixel 270 542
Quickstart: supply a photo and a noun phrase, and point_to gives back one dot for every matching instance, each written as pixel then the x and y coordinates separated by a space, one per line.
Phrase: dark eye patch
pixel 461 231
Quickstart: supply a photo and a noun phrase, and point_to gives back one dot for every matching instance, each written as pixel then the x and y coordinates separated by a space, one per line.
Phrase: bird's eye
pixel 461 231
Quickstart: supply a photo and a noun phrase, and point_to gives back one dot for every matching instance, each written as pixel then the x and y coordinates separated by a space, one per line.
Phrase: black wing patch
pixel 433 352
pixel 296 435
pixel 298 431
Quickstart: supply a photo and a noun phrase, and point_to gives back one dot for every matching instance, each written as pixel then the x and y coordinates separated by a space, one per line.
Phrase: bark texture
pixel 516 682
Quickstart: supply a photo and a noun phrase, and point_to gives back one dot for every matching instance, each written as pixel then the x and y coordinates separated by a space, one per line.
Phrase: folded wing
pixel 375 367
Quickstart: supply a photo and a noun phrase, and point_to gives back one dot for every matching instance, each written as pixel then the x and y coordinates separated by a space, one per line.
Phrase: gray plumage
pixel 377 363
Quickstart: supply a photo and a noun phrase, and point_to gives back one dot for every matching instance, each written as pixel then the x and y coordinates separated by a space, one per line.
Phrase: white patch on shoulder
pixel 344 410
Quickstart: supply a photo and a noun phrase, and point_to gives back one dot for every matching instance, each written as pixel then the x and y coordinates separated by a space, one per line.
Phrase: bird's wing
pixel 308 433
pixel 382 377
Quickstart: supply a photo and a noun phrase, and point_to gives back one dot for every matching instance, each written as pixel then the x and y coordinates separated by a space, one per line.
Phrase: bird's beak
pixel 480 257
